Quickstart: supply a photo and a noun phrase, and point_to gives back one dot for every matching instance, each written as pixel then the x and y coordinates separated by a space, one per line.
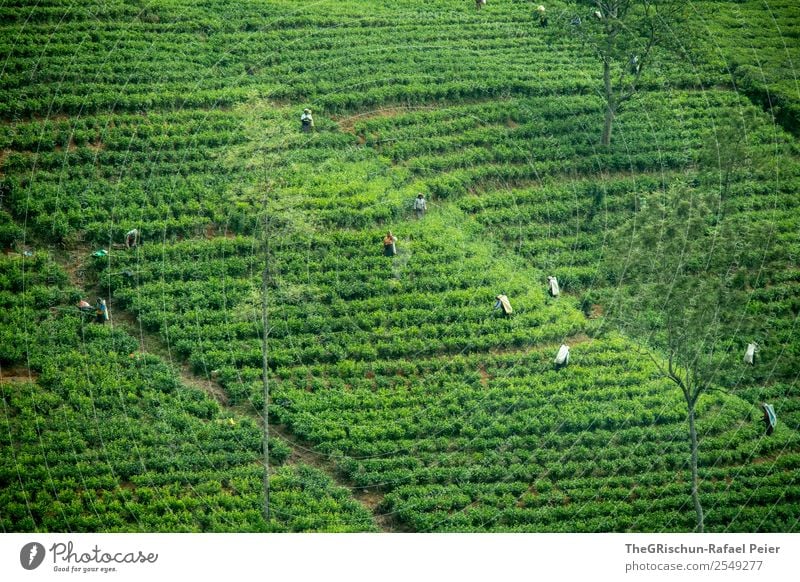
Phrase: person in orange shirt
pixel 389 245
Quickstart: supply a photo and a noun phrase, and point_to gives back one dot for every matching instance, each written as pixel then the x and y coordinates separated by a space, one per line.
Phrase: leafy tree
pixel 623 35
pixel 677 264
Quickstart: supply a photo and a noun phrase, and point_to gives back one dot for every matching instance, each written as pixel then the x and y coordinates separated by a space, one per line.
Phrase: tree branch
pixel 672 374
pixel 656 362
pixel 717 389
pixel 643 62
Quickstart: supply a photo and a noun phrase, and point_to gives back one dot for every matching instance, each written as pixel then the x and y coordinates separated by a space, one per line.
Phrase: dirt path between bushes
pixel 74 263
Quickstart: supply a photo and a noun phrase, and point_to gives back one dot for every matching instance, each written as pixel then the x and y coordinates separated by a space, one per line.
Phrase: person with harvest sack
pixel 389 245
pixel 542 16
pixel 306 121
pixel 552 285
pixel 479 4
pixel 102 311
pixel 562 357
pixel 132 238
pixel 504 305
pixel 770 418
pixel 750 354
pixel 634 64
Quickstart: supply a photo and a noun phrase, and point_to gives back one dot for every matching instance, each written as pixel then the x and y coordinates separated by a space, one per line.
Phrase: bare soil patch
pixel 596 311
pixel 17 373
pixel 485 377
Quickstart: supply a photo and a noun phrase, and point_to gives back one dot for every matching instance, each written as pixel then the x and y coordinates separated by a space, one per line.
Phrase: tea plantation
pixel 398 399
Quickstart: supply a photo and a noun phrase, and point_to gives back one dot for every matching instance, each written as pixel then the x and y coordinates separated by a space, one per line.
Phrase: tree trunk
pixel 695 494
pixel 265 372
pixel 265 281
pixel 606 139
pixel 609 95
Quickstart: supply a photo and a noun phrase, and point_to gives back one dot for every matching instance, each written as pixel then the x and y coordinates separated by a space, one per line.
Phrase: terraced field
pixel 393 375
pixel 98 436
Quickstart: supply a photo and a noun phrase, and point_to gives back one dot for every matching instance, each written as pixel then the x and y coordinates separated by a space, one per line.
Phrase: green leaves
pixel 125 445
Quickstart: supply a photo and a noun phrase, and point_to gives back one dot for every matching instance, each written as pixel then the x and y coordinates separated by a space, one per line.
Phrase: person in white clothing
pixel 306 121
pixel 420 206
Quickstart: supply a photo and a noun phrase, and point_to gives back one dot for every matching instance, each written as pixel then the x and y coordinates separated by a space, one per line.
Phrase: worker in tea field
pixel 634 64
pixel 504 305
pixel 479 4
pixel 132 238
pixel 770 418
pixel 389 245
pixel 552 286
pixel 84 306
pixel 562 357
pixel 542 16
pixel 102 311
pixel 420 206
pixel 750 353
pixel 306 121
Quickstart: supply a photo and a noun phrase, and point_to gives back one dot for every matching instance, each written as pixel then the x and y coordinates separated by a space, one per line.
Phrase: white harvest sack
pixel 751 351
pixel 552 282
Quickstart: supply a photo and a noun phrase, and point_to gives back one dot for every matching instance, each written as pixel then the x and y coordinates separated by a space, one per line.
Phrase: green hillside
pixel 399 400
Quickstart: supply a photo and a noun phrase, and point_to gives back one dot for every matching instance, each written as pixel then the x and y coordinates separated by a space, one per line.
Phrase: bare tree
pixel 676 264
pixel 623 35
pixel 736 145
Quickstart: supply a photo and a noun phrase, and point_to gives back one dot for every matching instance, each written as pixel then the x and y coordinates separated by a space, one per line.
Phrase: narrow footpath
pixel 74 264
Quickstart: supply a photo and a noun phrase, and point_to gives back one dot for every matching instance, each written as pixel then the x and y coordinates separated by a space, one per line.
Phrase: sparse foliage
pixel 624 35
pixel 676 266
